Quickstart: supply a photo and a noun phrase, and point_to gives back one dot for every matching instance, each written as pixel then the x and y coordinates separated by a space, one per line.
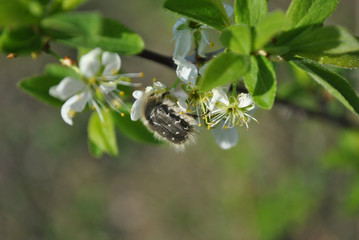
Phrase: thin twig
pixel 341 121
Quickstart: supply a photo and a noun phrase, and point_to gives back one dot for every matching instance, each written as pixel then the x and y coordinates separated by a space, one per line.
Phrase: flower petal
pixel 245 100
pixel 74 104
pixel 107 87
pixel 182 103
pixel 136 110
pixel 111 62
pixel 203 44
pixel 219 95
pixel 186 71
pixel 229 9
pixel 137 94
pixel 227 138
pixel 66 88
pixel 183 43
pixel 90 63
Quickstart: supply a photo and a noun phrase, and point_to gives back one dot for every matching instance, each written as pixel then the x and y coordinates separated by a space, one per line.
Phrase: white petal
pixel 219 95
pixel 203 68
pixel 203 44
pixel 229 9
pixel 186 71
pixel 66 88
pixel 182 104
pixel 180 22
pixel 111 62
pixel 245 100
pixel 227 138
pixel 137 94
pixel 90 63
pixel 159 86
pixel 136 111
pixel 183 44
pixel 75 103
pixel 107 87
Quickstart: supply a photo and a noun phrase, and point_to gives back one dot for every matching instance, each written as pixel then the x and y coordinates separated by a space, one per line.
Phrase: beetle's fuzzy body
pixel 167 121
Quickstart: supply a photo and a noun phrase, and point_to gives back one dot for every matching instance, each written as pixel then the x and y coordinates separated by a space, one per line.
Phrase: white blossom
pixel 98 83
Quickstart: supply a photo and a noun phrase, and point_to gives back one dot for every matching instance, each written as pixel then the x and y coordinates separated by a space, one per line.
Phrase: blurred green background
pixel 289 177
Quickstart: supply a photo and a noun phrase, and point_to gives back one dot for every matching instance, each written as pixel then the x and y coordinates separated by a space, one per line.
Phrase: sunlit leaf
pixel 250 12
pixel 38 86
pixel 209 12
pixel 224 69
pixel 337 85
pixel 102 133
pixel 261 82
pixel 238 38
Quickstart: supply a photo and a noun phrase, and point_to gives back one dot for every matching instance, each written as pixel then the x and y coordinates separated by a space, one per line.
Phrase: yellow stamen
pixel 116 103
pixel 122 93
pixel 211 44
pixel 72 113
pixel 200 125
pixel 181 112
pixel 114 71
pixel 188 110
pixel 107 110
pixel 122 114
pixel 154 79
pixel 92 81
pixel 142 74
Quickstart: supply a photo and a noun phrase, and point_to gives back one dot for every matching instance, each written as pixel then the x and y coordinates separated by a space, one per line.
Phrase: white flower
pixel 186 71
pixel 226 113
pixel 183 31
pixel 99 80
pixel 136 110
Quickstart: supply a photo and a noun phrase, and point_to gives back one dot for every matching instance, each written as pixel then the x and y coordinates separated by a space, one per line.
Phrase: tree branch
pixel 341 121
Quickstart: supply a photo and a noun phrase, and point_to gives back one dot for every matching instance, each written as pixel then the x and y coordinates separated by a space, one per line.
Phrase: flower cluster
pixel 97 85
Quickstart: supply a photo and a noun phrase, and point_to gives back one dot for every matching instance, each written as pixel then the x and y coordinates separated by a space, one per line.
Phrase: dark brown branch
pixel 159 58
pixel 337 120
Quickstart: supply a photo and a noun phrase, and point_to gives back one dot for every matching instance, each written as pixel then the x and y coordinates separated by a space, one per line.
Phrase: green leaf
pixel 268 28
pixel 102 134
pixel 20 40
pixel 309 12
pixel 94 149
pixel 134 130
pixel 237 38
pixel 347 60
pixel 250 12
pixel 337 85
pixel 261 82
pixel 329 40
pixel 225 68
pixel 209 12
pixel 64 5
pixel 15 12
pixel 38 86
pixel 60 71
pixel 90 30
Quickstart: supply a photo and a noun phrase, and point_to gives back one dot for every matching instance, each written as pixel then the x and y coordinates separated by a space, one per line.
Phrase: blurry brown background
pixel 279 182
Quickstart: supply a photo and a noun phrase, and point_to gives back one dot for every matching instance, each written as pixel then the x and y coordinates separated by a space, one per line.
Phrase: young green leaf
pixel 38 86
pixel 328 40
pixel 225 68
pixel 309 12
pixel 60 71
pixel 64 5
pixel 17 13
pixel 347 60
pixel 102 133
pixel 261 82
pixel 250 12
pixel 90 30
pixel 209 12
pixel 268 28
pixel 134 130
pixel 238 38
pixel 337 85
pixel 94 149
pixel 20 40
